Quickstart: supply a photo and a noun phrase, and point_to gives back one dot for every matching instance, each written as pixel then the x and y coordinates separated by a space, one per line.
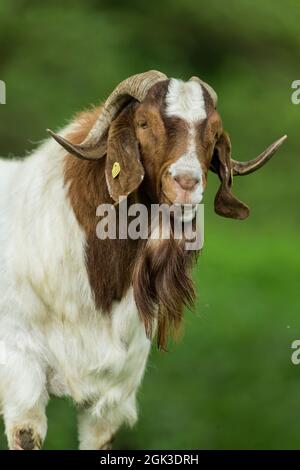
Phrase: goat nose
pixel 186 182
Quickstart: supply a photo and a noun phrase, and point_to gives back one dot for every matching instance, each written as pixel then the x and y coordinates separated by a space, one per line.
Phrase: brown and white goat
pixel 77 314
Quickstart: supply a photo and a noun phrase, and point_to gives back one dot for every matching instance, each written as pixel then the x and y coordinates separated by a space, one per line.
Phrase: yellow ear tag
pixel 115 169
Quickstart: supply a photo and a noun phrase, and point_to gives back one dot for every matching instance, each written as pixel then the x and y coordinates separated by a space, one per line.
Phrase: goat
pixel 77 314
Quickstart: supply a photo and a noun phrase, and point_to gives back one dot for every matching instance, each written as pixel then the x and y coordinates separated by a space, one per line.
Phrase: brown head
pixel 166 134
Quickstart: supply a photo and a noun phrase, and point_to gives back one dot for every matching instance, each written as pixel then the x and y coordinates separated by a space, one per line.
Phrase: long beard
pixel 162 286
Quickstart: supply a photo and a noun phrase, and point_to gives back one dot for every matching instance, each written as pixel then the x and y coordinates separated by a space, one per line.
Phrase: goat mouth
pixel 165 199
pixel 186 211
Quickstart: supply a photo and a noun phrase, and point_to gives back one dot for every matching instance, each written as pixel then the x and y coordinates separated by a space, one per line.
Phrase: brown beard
pixel 162 286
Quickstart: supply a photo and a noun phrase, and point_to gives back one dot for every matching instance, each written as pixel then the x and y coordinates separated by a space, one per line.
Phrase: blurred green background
pixel 230 383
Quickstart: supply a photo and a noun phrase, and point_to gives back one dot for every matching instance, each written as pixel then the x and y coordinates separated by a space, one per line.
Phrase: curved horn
pixel 89 153
pixel 244 168
pixel 135 87
pixel 208 88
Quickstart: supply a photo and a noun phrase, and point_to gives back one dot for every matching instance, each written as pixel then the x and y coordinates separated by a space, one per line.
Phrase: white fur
pixel 55 341
pixel 185 100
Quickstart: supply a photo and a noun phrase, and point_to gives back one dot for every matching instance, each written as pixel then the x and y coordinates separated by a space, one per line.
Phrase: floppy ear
pixel 226 204
pixel 124 171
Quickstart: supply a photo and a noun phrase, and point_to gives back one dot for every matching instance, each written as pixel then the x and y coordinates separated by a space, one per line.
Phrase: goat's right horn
pixel 208 88
pixel 135 87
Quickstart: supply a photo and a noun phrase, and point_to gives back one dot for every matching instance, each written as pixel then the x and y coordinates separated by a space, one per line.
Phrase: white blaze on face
pixel 185 100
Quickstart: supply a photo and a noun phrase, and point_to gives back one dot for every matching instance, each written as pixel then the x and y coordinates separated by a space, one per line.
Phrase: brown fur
pixel 157 271
pixel 109 263
pixel 25 438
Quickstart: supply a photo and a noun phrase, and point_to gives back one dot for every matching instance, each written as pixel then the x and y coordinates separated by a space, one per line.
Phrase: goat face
pixel 176 127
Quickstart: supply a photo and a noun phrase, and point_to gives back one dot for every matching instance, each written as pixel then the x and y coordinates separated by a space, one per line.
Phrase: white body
pixel 52 337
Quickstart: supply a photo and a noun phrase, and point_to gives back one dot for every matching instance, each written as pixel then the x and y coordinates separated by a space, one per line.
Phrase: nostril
pixel 186 182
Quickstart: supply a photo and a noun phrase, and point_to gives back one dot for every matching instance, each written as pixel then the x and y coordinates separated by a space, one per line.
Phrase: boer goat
pixel 77 314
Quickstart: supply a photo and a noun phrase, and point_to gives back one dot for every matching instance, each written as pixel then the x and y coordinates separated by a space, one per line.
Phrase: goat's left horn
pixel 84 153
pixel 244 168
pixel 208 88
pixel 136 87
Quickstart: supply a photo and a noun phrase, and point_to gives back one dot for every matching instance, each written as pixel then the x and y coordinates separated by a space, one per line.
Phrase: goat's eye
pixel 143 124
